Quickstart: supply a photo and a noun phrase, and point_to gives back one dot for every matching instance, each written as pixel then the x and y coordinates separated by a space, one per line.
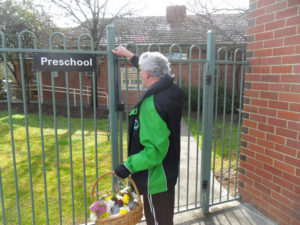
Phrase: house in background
pixel 140 34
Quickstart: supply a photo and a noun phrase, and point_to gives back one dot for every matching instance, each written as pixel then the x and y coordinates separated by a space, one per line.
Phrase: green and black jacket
pixel 154 143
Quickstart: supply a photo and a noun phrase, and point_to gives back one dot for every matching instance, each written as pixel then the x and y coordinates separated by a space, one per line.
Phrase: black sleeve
pixel 135 61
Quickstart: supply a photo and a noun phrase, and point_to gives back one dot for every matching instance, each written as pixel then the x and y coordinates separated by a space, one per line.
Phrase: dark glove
pixel 122 171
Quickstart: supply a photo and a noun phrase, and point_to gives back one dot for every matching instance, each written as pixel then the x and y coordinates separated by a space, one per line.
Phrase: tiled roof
pixel 157 30
pixel 230 29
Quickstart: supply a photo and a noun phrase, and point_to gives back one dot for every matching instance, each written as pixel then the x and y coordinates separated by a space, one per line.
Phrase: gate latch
pixel 208 79
pixel 204 184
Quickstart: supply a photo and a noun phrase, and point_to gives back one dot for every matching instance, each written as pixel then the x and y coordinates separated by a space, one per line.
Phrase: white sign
pixel 132 79
pixel 64 62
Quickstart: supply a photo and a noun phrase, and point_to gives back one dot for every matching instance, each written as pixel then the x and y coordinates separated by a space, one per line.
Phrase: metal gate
pixel 217 78
pixel 33 191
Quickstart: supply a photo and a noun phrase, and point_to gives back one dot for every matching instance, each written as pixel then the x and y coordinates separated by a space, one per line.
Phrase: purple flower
pixel 99 208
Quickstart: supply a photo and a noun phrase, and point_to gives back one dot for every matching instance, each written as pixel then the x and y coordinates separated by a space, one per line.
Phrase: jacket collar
pixel 157 87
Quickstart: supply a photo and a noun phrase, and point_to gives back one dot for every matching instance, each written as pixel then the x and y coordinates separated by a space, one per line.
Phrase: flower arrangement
pixel 117 204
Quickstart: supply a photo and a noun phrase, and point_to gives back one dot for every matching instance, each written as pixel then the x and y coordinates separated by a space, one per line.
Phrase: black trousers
pixel 159 208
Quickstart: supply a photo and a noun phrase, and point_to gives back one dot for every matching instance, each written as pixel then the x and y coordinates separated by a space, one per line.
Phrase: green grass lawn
pixel 104 164
pixel 219 147
pixel 21 155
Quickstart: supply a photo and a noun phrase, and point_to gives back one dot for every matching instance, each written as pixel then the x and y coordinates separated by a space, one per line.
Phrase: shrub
pixel 228 100
pixel 194 99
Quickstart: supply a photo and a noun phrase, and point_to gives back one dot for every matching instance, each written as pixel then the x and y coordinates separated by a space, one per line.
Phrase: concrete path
pixel 231 213
pixel 190 172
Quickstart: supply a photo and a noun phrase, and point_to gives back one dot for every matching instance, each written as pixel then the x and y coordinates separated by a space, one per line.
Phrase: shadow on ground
pixel 233 213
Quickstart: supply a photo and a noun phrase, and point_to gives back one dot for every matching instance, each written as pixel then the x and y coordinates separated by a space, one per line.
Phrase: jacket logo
pixel 136 124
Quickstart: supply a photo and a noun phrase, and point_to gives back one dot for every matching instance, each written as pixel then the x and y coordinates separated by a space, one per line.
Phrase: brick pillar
pixel 270 149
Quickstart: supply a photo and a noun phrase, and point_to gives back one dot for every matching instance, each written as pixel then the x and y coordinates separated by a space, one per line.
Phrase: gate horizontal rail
pixel 32 50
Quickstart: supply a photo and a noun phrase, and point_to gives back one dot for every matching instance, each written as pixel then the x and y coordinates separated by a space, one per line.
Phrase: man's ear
pixel 148 74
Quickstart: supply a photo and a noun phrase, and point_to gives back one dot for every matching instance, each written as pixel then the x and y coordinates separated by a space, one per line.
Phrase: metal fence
pixel 209 141
pixel 22 206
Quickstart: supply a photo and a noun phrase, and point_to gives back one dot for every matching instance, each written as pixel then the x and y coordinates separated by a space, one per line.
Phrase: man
pixel 154 137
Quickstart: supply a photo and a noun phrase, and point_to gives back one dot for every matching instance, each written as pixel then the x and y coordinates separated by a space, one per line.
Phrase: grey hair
pixel 156 63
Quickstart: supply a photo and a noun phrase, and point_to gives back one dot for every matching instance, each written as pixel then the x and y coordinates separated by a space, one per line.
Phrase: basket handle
pixel 112 172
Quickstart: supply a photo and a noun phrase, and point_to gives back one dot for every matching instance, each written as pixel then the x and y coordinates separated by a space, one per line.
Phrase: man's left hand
pixel 122 171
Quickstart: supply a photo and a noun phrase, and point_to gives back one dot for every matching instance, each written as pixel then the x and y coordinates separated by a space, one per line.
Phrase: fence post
pixel 113 114
pixel 207 120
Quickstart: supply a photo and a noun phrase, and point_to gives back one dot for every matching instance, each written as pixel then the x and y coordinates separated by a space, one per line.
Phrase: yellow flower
pixel 126 199
pixel 123 211
pixel 105 215
pixel 108 198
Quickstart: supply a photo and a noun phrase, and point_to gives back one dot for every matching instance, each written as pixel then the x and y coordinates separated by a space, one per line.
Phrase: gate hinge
pixel 204 184
pixel 208 79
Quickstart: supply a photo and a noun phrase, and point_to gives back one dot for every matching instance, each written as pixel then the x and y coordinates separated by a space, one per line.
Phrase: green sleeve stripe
pixel 134 111
pixel 154 136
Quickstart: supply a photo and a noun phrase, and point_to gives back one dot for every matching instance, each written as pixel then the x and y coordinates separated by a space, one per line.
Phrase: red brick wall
pixel 270 152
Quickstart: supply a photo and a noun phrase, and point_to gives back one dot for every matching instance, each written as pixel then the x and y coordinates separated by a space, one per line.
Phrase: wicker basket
pixel 130 218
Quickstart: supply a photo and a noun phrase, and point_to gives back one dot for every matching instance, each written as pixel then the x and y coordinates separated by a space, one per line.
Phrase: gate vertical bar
pixel 83 146
pixel 223 123
pixel 215 129
pixel 231 122
pixel 189 125
pixel 239 125
pixel 55 125
pixel 126 97
pixel 120 118
pixel 180 83
pixel 113 114
pixel 37 74
pixel 8 95
pixel 21 61
pixel 70 144
pixel 198 123
pixel 95 89
pixel 207 120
